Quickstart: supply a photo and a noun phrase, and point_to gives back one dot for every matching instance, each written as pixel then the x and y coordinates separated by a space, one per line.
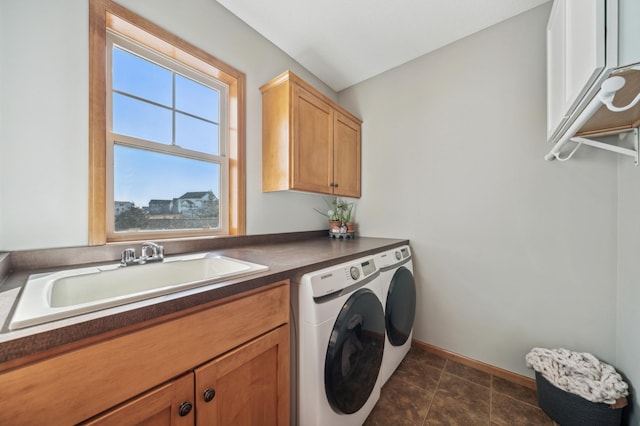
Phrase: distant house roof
pixel 160 202
pixel 196 195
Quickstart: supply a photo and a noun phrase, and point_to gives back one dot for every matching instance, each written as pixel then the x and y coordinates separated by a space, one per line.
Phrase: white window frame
pixel 112 138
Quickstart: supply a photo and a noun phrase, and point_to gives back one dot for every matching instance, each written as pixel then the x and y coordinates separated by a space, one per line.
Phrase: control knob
pixel 355 272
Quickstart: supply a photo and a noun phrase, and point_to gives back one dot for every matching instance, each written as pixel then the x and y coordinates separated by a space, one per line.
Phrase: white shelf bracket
pixel 602 145
pixel 604 97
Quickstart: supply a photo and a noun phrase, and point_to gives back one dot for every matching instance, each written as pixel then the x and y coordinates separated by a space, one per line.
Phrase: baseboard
pixel 518 379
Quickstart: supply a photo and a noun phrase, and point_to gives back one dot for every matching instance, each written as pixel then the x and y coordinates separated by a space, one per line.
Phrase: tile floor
pixel 429 390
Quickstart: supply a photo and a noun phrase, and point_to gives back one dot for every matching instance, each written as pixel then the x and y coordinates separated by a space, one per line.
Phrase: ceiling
pixel 344 42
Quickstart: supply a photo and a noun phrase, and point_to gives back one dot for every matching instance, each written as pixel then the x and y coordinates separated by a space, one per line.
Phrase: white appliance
pixel 399 301
pixel 340 344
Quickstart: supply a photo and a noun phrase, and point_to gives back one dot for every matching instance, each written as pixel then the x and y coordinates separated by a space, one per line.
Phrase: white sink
pixel 57 295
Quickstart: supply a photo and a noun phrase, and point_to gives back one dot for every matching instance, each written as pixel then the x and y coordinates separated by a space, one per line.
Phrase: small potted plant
pixel 339 214
pixel 332 214
pixel 347 213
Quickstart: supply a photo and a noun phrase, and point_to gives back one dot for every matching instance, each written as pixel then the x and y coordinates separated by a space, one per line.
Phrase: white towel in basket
pixel 579 373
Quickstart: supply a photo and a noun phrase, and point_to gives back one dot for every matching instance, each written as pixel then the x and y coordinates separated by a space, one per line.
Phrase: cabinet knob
pixel 335 185
pixel 209 394
pixel 185 408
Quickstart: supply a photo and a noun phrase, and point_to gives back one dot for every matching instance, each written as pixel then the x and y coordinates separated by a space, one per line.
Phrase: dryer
pixel 340 344
pixel 399 301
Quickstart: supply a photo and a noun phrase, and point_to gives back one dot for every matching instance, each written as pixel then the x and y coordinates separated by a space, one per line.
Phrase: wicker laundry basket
pixel 569 409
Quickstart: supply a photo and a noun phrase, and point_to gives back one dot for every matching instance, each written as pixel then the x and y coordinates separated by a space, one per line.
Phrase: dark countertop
pixel 287 258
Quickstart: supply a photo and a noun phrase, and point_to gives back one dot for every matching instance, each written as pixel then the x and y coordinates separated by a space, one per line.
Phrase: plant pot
pixel 334 225
pixel 351 227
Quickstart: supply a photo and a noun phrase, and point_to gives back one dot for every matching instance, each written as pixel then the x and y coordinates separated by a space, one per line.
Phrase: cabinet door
pixel 346 156
pixel 163 406
pixel 312 135
pixel 248 386
pixel 556 67
pixel 585 43
pixel 575 55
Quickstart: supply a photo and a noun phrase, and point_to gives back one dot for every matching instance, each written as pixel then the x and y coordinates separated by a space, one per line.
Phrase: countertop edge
pixel 26 345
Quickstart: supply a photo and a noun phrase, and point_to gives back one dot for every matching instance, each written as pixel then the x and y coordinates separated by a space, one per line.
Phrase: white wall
pixel 628 277
pixel 511 252
pixel 44 115
pixel 44 122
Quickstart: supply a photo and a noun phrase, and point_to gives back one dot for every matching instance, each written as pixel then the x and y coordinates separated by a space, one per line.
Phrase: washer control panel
pixel 393 257
pixel 335 279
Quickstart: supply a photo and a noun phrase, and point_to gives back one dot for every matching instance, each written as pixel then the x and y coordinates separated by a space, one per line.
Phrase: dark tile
pixel 450 393
pixel 468 373
pixel 400 403
pixel 378 416
pixel 427 357
pixel 515 391
pixel 459 402
pixel 506 411
pixel 420 368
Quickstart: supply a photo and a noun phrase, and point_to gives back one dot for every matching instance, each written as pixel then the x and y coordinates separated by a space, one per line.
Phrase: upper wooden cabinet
pixel 309 143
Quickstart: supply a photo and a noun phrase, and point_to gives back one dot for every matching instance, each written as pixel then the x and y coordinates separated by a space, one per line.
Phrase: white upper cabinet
pixel 585 36
pixel 576 57
pixel 589 41
pixel 555 68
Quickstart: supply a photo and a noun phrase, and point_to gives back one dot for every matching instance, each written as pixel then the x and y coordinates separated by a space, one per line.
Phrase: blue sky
pixel 145 109
pixel 143 175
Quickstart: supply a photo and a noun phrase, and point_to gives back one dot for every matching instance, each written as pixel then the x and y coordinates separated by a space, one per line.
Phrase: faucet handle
pixel 128 256
pixel 157 251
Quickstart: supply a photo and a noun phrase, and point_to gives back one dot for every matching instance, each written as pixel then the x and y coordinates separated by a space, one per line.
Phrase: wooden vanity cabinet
pixel 227 364
pixel 243 387
pixel 309 143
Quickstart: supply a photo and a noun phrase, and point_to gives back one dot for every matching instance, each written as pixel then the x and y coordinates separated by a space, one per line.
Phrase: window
pixel 165 142
pixel 166 134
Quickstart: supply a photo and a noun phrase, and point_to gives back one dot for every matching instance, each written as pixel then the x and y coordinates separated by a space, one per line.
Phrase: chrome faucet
pixel 157 251
pixel 129 254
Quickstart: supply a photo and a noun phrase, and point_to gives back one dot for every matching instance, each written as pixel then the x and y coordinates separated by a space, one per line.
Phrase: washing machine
pixel 399 301
pixel 340 344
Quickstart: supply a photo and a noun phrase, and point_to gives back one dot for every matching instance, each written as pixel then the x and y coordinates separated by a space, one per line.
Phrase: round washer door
pixel 401 306
pixel 354 354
